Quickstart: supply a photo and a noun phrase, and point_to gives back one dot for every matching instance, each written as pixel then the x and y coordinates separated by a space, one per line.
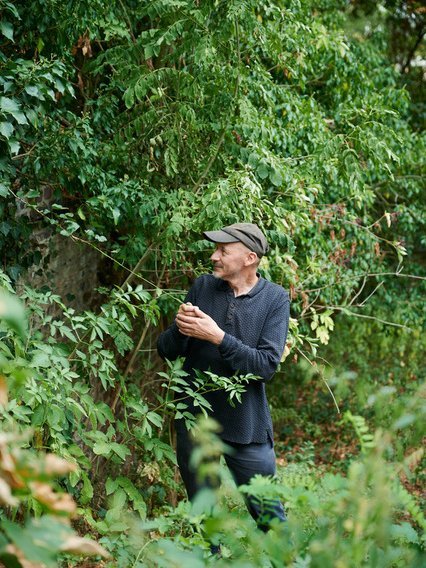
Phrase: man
pixel 233 322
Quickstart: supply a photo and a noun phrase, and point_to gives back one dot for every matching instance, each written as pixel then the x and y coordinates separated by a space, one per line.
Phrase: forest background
pixel 126 129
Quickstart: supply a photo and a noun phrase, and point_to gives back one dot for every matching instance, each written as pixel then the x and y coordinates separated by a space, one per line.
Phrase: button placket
pixel 231 311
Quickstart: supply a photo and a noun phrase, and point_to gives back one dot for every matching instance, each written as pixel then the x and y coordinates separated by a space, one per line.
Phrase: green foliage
pixel 27 480
pixel 131 127
pixel 366 439
pixel 352 520
pixel 51 392
pixel 224 117
pixel 178 390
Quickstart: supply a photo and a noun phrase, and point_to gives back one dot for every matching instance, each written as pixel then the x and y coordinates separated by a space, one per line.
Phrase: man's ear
pixel 251 258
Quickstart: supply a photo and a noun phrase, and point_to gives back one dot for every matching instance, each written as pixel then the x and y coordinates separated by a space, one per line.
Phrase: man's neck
pixel 243 284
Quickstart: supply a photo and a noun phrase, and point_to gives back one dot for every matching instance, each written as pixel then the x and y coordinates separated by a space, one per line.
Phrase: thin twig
pixel 304 310
pixel 365 274
pixel 359 291
pixel 137 268
pixel 362 304
pixel 322 378
pixel 134 354
pixel 413 49
pixel 349 313
pixel 128 21
pixel 25 153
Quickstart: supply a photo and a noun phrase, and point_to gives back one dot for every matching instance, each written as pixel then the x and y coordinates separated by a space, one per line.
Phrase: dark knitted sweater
pixel 255 326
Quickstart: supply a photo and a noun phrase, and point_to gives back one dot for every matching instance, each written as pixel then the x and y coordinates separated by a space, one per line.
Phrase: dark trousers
pixel 245 461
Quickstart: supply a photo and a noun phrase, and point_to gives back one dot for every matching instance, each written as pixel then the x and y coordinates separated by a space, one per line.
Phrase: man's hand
pixel 193 322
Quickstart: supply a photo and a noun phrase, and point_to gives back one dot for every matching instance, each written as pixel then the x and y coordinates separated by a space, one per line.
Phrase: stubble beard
pixel 220 276
pixel 216 274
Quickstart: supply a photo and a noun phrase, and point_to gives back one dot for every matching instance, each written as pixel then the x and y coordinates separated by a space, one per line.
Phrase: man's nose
pixel 215 256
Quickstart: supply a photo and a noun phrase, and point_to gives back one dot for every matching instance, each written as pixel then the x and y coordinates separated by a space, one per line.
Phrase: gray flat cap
pixel 247 233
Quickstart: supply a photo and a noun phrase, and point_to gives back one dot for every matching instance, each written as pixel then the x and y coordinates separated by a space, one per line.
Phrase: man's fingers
pixel 183 332
pixel 188 325
pixel 186 318
pixel 185 329
pixel 187 309
pixel 191 321
pixel 181 323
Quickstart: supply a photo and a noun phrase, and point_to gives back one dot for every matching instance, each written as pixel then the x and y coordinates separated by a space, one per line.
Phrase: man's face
pixel 229 260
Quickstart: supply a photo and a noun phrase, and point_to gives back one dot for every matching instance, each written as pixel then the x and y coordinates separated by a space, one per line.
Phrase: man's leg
pixel 184 448
pixel 246 461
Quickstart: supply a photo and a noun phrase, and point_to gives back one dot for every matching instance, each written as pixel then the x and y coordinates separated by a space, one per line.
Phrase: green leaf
pixel 87 489
pixel 41 359
pixel 6 29
pixel 32 90
pixel 14 145
pixel 323 335
pixel 102 448
pixel 68 333
pixel 110 486
pixel 4 190
pixel 19 117
pixel 12 312
pixel 3 543
pixel 118 501
pixel 27 542
pixel 116 214
pixel 40 44
pixel 262 170
pixel 6 129
pixel 9 105
pixel 71 228
pixel 253 160
pixel 129 97
pixel 12 9
pixel 404 533
pixel 121 450
pixel 155 419
pixel 74 477
pixel 134 495
pixel 276 178
pixel 33 117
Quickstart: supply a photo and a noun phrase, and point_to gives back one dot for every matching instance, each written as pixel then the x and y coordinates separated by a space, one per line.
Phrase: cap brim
pixel 220 237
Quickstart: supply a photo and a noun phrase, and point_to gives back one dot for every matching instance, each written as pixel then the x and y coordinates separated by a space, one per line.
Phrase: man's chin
pixel 216 272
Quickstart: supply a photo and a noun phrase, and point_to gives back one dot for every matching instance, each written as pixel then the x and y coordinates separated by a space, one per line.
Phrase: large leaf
pixel 12 312
pixel 6 29
pixel 6 129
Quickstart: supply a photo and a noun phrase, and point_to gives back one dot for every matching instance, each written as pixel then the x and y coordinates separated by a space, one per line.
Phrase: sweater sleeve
pixel 171 343
pixel 264 359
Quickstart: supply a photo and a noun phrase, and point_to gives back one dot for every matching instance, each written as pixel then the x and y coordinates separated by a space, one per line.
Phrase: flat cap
pixel 247 233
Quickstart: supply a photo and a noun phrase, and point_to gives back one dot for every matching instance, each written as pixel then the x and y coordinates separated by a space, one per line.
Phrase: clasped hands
pixel 193 322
